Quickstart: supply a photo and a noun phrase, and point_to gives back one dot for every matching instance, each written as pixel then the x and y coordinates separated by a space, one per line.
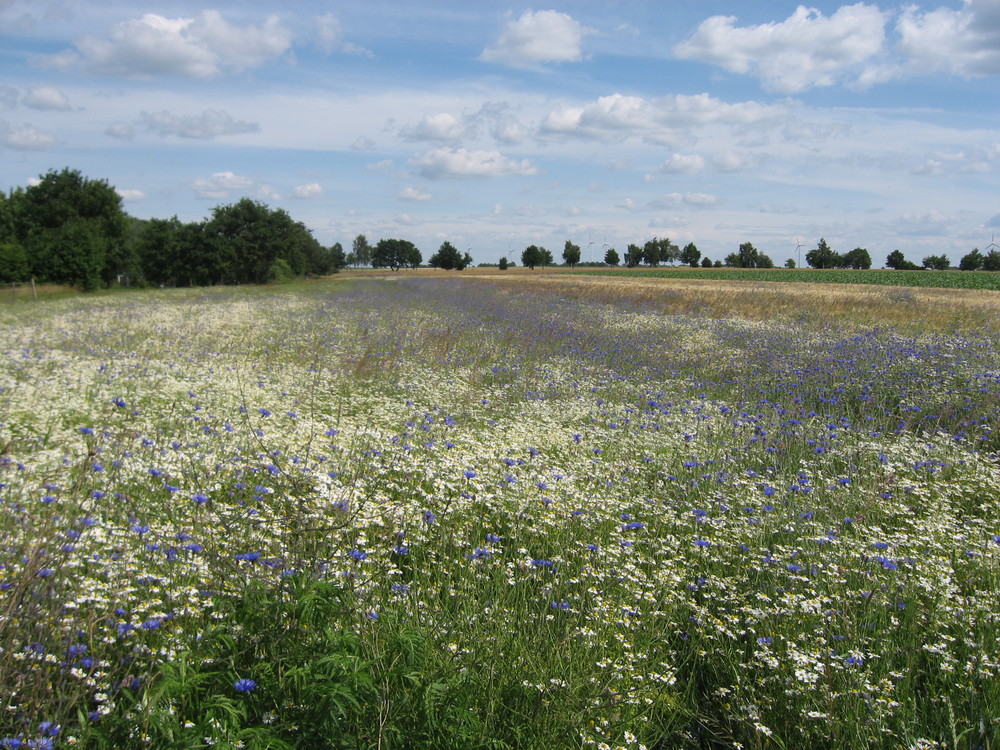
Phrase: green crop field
pixel 940 279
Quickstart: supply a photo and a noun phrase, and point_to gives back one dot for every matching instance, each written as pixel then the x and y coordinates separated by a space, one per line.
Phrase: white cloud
pixel 200 47
pixel 449 162
pixel 209 124
pixel 965 42
pixel 46 98
pixel 312 190
pixel 361 143
pixel 414 194
pixel 120 130
pixel 683 164
pixel 331 37
pixel 221 184
pixel 536 37
pixel 25 137
pixel 130 195
pixel 440 127
pixel 672 200
pixel 804 51
pixel 616 117
pixel 731 161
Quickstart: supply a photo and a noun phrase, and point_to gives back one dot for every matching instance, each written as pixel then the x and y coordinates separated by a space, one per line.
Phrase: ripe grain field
pixel 501 510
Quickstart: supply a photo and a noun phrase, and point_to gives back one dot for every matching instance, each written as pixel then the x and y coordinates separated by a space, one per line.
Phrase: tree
pixel 858 258
pixel 446 258
pixel 633 255
pixel 764 261
pixel 789 263
pixel 991 261
pixel 162 256
pixel 64 206
pixel 611 257
pixel 464 263
pixel 690 254
pixel 732 260
pixel 706 262
pixel 937 262
pixel 898 261
pixel 413 257
pixel 823 257
pixel 972 261
pixel 748 255
pixel 547 259
pixel 247 238
pixel 393 254
pixel 532 256
pixel 651 253
pixel 571 254
pixel 14 266
pixel 362 251
pixel 503 263
pixel 338 260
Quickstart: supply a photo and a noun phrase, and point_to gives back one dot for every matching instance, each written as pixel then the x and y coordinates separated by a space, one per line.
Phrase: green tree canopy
pixel 937 262
pixel 858 258
pixel 446 258
pixel 571 254
pixel 823 257
pixel 63 207
pixel 394 254
pixel 972 261
pixel 690 254
pixel 532 256
pixel 611 257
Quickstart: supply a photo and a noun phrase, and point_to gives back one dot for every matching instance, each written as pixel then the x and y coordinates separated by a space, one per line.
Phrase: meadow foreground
pixel 429 512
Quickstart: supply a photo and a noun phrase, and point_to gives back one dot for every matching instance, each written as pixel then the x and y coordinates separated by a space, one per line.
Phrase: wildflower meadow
pixel 430 512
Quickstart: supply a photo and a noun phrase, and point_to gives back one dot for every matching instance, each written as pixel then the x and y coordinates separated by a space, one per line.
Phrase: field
pixel 501 511
pixel 935 279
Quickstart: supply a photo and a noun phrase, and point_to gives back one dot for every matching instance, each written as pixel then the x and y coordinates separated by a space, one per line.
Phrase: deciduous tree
pixel 571 254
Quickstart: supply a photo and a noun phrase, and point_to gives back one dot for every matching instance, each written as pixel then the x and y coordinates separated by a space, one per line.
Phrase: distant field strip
pixel 941 279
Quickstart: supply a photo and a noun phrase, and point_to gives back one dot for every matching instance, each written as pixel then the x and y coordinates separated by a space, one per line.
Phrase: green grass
pixel 985 280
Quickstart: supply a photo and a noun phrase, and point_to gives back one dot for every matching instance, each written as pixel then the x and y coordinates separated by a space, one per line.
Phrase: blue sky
pixel 496 126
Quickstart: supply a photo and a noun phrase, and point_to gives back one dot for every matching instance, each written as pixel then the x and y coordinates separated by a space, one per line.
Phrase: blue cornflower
pixel 469 474
pixel 702 543
pixel 359 555
pixel 430 517
pixel 244 685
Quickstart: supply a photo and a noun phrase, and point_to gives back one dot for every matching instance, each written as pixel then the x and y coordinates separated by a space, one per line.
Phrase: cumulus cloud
pixel 209 124
pixel 221 184
pixel 130 195
pixel 24 137
pixel 46 98
pixel 965 42
pixel 203 46
pixel 544 36
pixel 617 116
pixel 440 127
pixel 120 130
pixel 312 190
pixel 804 51
pixel 683 164
pixel 450 162
pixel 331 37
pixel 414 194
pixel 672 200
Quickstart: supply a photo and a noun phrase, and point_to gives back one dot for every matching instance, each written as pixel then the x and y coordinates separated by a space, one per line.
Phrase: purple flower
pixel 244 685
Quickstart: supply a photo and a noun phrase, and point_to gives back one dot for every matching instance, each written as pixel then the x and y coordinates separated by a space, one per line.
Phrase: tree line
pixel 68 229
pixel 662 250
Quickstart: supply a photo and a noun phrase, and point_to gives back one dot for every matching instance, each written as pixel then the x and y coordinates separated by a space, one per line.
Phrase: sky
pixel 495 125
